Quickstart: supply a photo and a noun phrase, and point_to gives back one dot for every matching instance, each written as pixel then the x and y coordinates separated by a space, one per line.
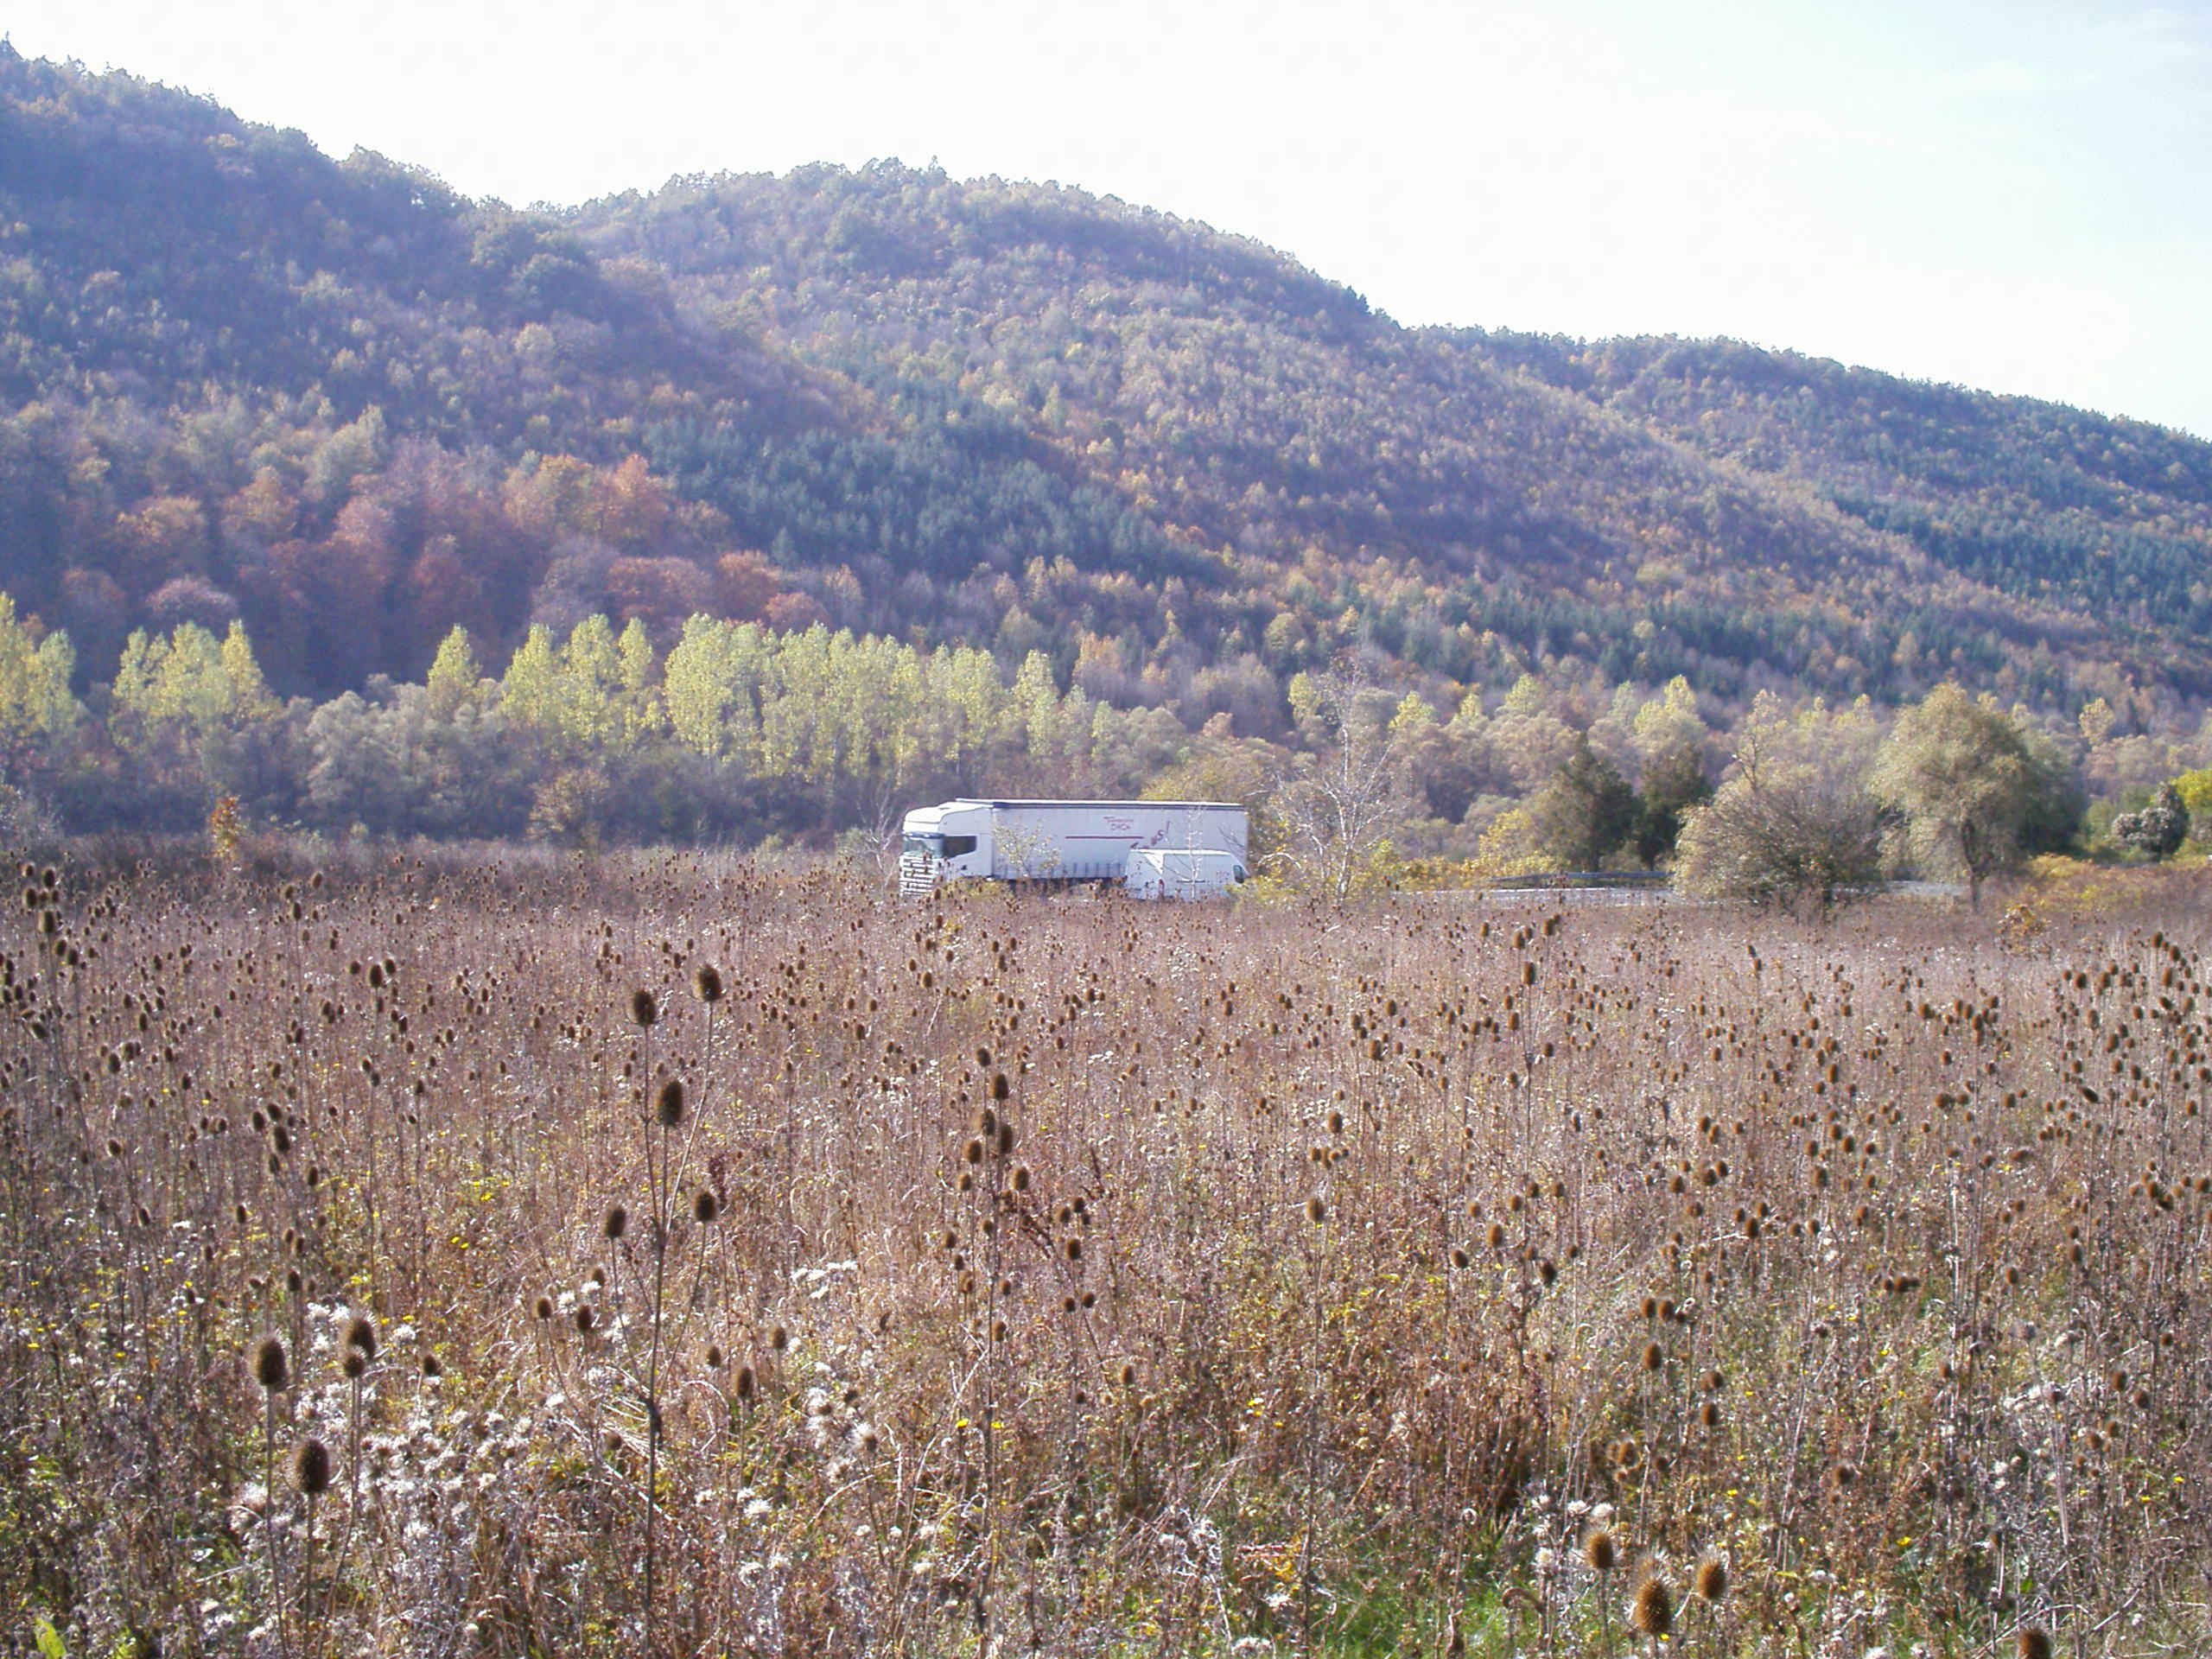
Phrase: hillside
pixel 339 402
pixel 1407 488
pixel 2037 500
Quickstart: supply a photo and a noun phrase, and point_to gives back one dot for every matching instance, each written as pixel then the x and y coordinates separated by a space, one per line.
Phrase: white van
pixel 1168 872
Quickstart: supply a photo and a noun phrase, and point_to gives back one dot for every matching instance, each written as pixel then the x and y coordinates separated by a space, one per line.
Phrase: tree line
pixel 740 732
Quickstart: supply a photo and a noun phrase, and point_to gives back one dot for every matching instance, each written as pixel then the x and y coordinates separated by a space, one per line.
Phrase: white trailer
pixel 1056 841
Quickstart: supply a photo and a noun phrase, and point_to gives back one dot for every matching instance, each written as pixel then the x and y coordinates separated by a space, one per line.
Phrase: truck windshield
pixel 937 846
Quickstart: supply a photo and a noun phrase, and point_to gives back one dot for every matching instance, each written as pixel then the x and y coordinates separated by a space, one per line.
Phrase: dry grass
pixel 1317 1278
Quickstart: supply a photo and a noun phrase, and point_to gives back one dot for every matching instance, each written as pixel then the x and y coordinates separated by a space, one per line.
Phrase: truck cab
pixel 944 843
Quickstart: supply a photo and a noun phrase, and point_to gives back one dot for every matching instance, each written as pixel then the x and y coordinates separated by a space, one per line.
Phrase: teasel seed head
pixel 1711 1580
pixel 2035 1642
pixel 585 1316
pixel 779 1339
pixel 355 1365
pixel 271 1369
pixel 972 1152
pixel 1006 1138
pixel 617 1221
pixel 708 982
pixel 644 1011
pixel 669 1105
pixel 542 1309
pixel 433 1367
pixel 1601 1550
pixel 1652 1612
pixel 713 1355
pixel 1000 1087
pixel 311 1467
pixel 361 1334
pixel 746 1383
pixel 705 1207
pixel 1317 1209
pixel 1653 1357
pixel 1017 1179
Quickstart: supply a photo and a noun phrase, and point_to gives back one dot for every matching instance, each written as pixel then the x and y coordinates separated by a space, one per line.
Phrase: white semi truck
pixel 1059 841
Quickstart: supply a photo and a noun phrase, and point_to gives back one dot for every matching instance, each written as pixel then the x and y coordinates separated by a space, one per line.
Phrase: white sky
pixel 2014 196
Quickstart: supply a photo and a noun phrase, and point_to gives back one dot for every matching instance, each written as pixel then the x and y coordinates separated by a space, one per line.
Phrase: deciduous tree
pixel 2159 829
pixel 1335 808
pixel 1972 792
pixel 1792 824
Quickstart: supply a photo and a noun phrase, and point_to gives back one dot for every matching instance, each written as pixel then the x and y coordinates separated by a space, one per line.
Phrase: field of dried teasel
pixel 671 1256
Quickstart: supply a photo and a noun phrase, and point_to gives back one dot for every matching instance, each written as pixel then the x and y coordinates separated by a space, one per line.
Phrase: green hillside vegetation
pixel 1357 481
pixel 2112 517
pixel 899 424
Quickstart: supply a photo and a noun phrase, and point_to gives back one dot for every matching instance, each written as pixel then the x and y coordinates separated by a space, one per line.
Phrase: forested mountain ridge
pixel 341 402
pixel 1469 519
pixel 2034 499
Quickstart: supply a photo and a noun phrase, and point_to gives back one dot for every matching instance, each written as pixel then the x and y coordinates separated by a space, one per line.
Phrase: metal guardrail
pixel 1629 887
pixel 1580 878
pixel 1592 888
